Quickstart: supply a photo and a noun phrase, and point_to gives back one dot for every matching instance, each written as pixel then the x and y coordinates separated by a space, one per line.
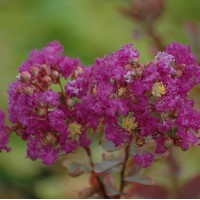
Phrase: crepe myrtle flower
pixel 144 160
pixel 117 98
pixel 4 133
pixel 38 113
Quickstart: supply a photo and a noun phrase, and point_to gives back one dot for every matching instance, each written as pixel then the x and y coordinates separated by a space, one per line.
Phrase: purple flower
pixel 57 120
pixel 4 133
pixel 49 55
pixel 181 52
pixel 144 160
pixel 84 140
pixel 117 95
pixel 43 151
pixel 68 65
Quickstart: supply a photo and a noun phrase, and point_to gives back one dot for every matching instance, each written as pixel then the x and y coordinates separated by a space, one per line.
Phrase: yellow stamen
pixel 78 71
pixel 121 91
pixel 50 138
pixel 129 123
pixel 75 128
pixel 94 91
pixel 158 89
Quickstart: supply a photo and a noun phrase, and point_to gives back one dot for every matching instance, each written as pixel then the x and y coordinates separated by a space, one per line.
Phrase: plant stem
pixel 61 87
pixel 122 175
pixel 155 37
pixel 174 171
pixel 103 191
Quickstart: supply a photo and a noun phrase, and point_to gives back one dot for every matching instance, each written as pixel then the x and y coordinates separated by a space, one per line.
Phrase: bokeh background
pixel 87 29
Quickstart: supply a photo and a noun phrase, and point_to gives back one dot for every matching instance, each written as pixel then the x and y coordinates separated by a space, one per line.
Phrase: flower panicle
pixel 130 103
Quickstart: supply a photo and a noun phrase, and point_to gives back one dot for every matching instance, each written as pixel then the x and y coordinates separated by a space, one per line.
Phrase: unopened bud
pixel 20 89
pixel 34 71
pixel 28 90
pixel 47 80
pixel 138 71
pixel 25 76
pixel 134 62
pixel 46 70
pixel 178 73
pixel 140 141
pixel 70 102
pixel 54 75
pixel 181 67
pixel 168 143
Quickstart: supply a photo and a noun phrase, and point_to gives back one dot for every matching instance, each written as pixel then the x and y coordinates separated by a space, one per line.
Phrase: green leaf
pixel 108 146
pixel 139 179
pixel 107 165
pixel 75 168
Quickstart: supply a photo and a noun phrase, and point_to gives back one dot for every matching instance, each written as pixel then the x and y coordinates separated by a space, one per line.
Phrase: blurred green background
pixel 87 29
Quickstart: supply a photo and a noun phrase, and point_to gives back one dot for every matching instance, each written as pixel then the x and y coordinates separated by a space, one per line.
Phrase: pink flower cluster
pixel 4 133
pixel 117 98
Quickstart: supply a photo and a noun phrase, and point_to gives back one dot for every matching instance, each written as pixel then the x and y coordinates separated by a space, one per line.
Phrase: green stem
pixel 122 174
pixel 103 191
pixel 155 37
pixel 61 87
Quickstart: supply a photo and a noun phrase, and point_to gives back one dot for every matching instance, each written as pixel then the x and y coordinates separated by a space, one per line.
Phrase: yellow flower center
pixel 49 138
pixel 78 71
pixel 121 91
pixel 94 91
pixel 129 123
pixel 158 89
pixel 75 128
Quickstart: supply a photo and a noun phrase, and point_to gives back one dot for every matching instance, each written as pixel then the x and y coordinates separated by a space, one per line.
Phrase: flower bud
pixel 54 75
pixel 46 70
pixel 178 73
pixel 70 102
pixel 168 143
pixel 34 71
pixel 47 80
pixel 25 76
pixel 28 90
pixel 134 62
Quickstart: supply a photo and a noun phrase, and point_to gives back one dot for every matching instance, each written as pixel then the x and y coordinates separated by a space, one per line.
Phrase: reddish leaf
pixel 147 192
pixel 111 189
pixel 86 192
pixel 191 189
